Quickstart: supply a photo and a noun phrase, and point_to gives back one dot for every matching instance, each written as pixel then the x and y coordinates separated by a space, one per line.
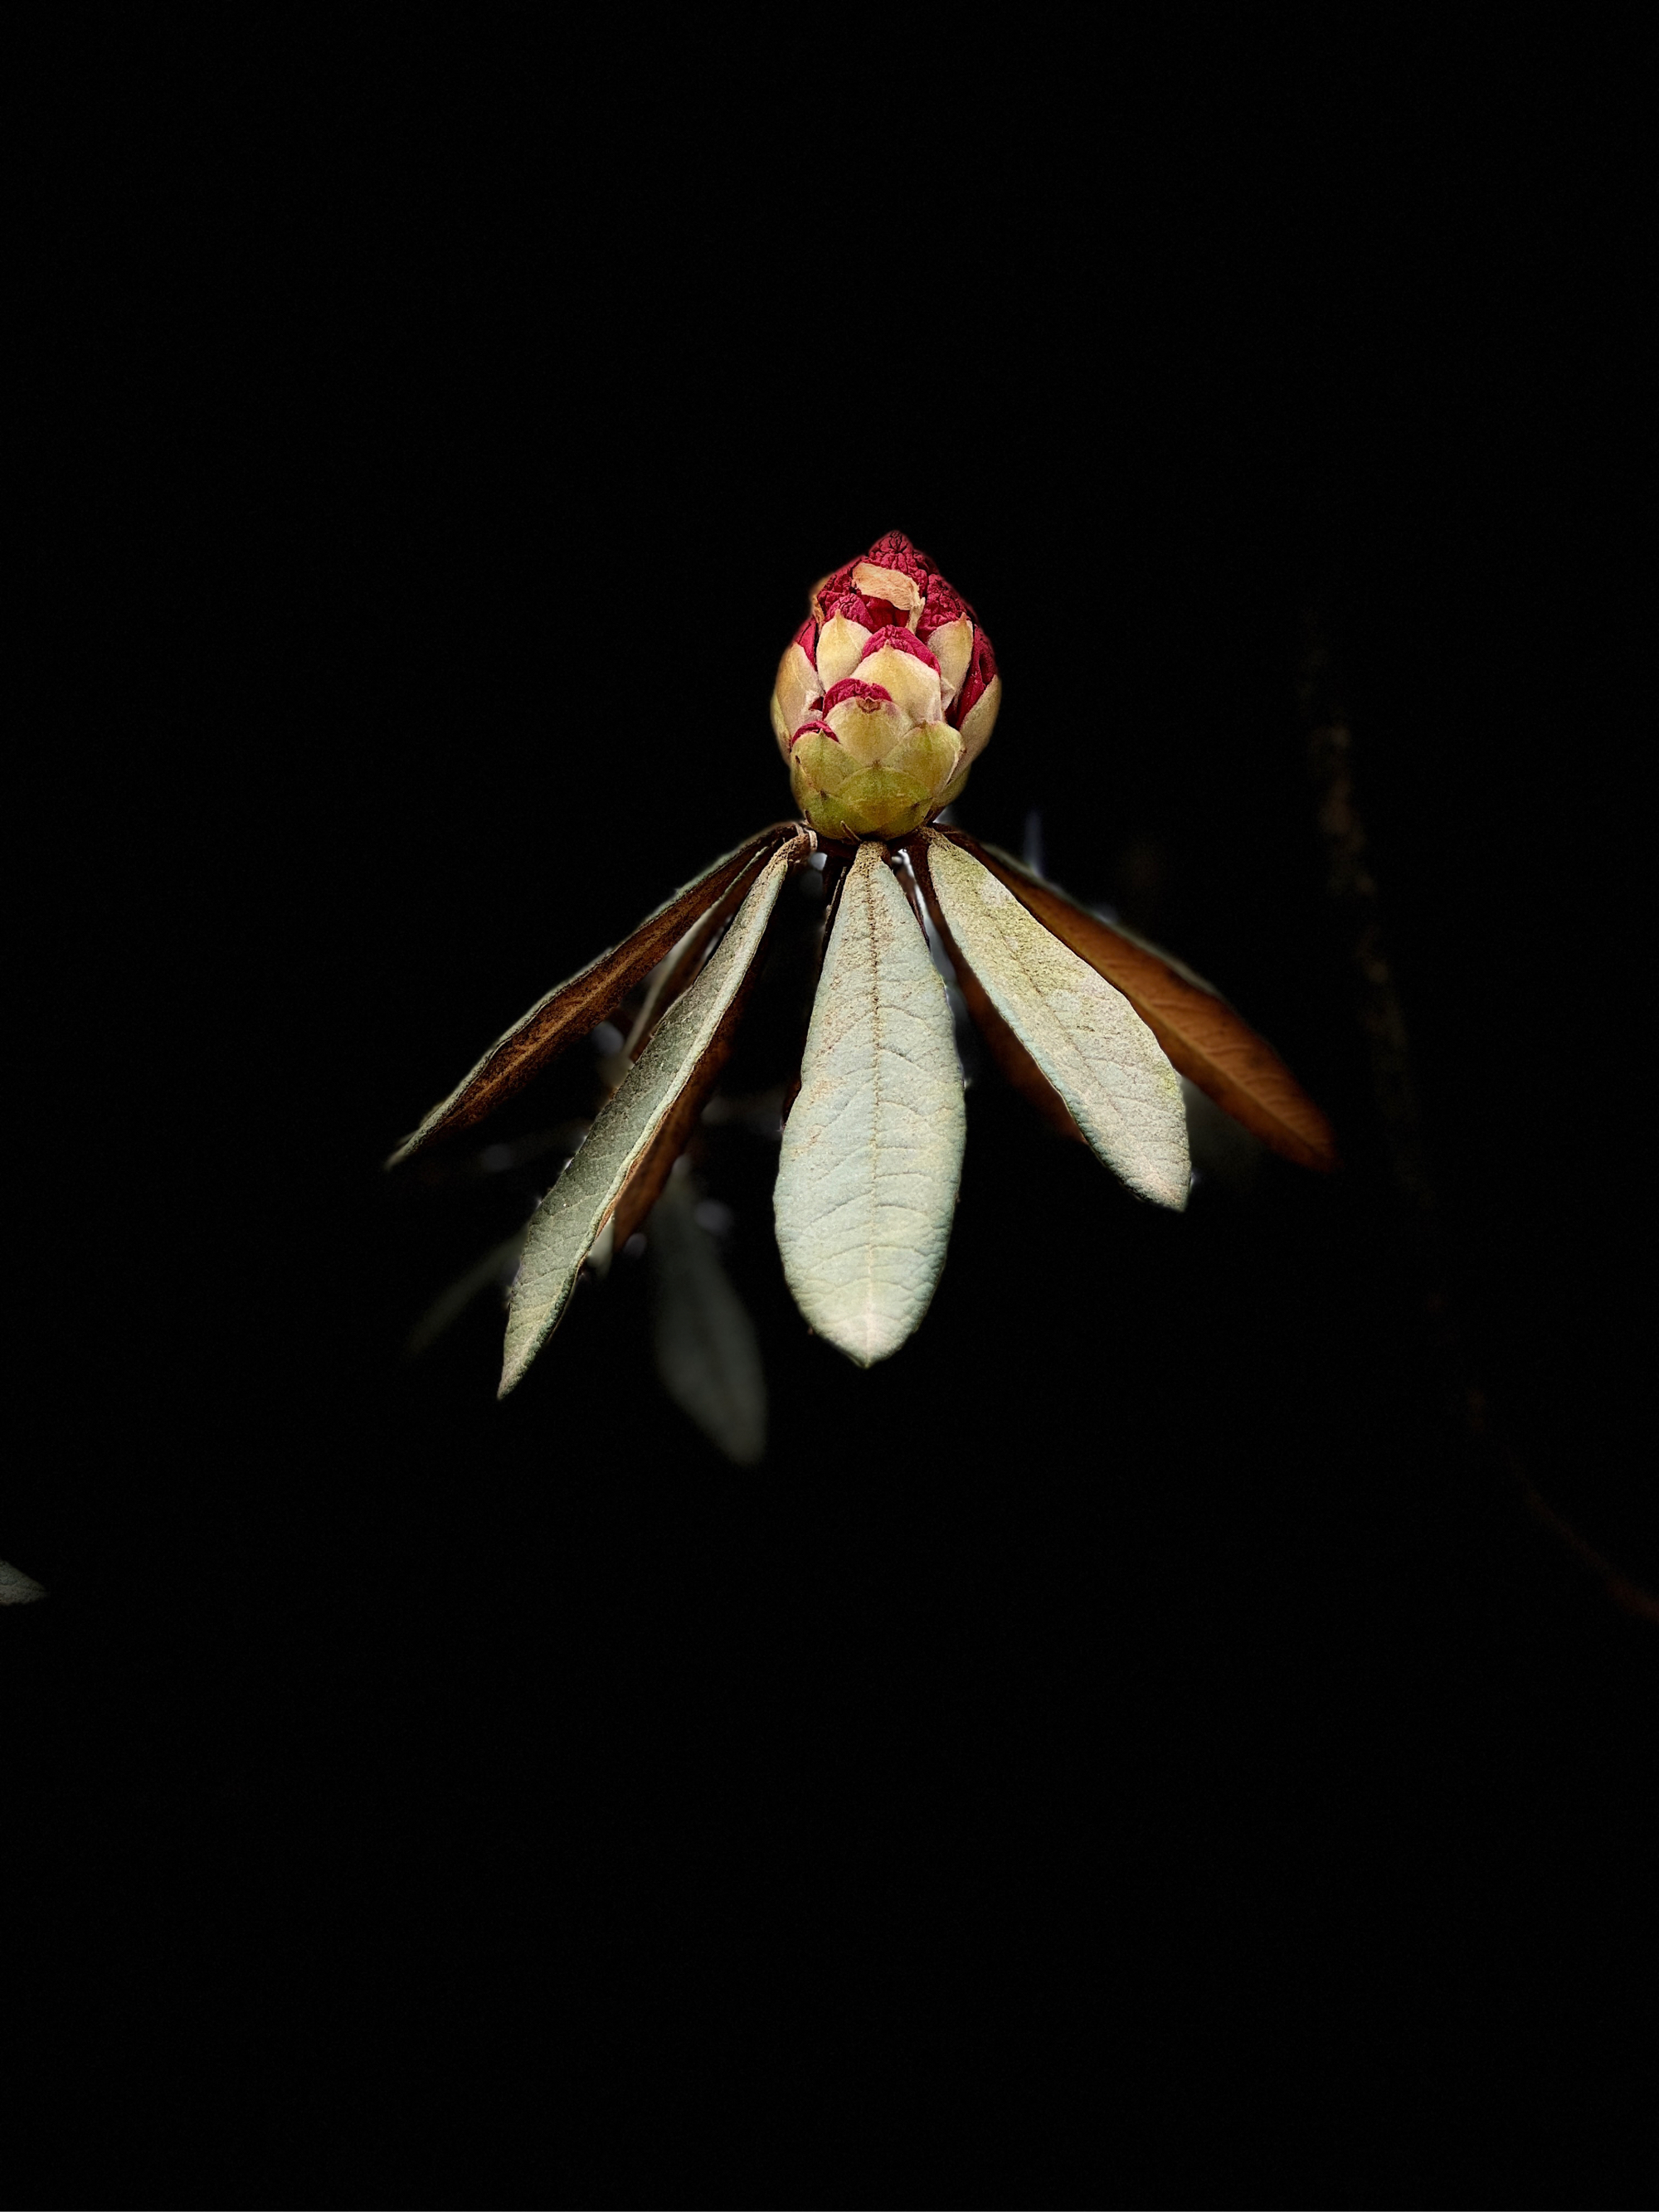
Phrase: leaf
pixel 1019 1071
pixel 1084 1035
pixel 685 962
pixel 872 1148
pixel 646 1183
pixel 576 1006
pixel 1202 1034
pixel 707 1353
pixel 563 1227
pixel 16 1587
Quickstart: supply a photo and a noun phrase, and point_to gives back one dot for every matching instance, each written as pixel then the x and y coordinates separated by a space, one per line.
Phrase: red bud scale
pixel 885 695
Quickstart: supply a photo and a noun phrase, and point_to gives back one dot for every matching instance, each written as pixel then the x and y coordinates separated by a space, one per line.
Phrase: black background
pixel 1130 1749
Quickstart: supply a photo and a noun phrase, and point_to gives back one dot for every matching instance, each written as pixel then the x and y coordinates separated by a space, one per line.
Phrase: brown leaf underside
pixel 1201 1036
pixel 580 1005
pixel 680 970
pixel 646 1185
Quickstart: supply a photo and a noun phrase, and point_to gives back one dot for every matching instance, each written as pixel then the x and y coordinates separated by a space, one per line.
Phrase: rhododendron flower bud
pixel 885 695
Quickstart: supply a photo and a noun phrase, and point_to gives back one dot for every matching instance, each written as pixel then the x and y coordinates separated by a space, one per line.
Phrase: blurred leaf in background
pixel 707 1353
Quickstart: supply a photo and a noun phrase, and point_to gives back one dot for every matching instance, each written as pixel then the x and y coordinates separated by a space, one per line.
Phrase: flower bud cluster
pixel 885 695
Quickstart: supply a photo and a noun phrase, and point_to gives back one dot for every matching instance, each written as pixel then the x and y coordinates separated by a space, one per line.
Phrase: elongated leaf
pixel 872 1148
pixel 1202 1034
pixel 646 1183
pixel 651 1170
pixel 685 963
pixel 707 1356
pixel 1018 1069
pixel 575 1007
pixel 564 1225
pixel 1084 1035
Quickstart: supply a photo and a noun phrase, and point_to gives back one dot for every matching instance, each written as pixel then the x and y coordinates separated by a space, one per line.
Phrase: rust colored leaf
pixel 1083 1033
pixel 644 1185
pixel 689 956
pixel 573 1008
pixel 1202 1036
pixel 584 1202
